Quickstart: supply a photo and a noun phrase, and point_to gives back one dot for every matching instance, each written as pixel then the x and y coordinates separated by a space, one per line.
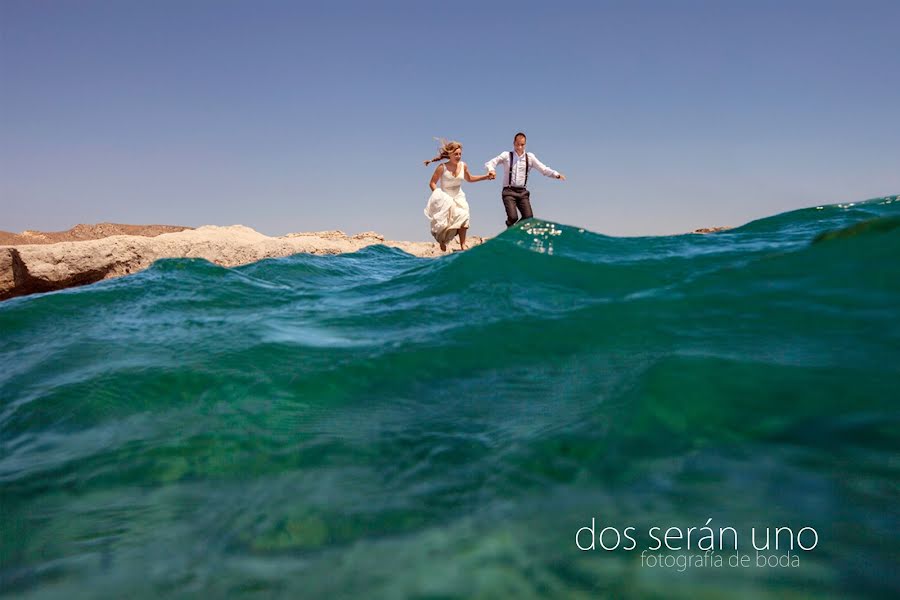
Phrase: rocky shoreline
pixel 44 262
pixel 35 261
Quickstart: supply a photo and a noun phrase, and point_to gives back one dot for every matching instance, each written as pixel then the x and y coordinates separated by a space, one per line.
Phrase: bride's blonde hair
pixel 444 150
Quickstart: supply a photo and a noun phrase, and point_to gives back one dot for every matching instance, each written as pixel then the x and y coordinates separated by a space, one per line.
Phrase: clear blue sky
pixel 299 116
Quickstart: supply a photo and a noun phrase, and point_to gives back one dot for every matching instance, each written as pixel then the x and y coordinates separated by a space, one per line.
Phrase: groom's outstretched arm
pixel 544 169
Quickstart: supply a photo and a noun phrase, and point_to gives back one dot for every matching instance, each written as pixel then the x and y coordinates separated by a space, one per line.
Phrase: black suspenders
pixel 510 169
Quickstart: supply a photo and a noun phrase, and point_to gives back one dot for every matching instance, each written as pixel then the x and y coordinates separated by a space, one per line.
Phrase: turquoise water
pixel 379 425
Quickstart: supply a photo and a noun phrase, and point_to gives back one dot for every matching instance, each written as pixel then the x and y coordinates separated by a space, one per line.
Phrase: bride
pixel 447 208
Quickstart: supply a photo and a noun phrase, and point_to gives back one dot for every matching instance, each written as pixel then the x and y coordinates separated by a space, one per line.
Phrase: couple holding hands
pixel 447 208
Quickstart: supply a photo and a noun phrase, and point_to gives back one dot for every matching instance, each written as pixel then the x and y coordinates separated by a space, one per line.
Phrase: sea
pixel 552 414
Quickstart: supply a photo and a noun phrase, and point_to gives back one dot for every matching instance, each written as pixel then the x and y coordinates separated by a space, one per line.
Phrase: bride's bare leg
pixel 443 247
pixel 462 238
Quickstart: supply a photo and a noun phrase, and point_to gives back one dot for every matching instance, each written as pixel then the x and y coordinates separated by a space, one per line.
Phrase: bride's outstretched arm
pixel 473 178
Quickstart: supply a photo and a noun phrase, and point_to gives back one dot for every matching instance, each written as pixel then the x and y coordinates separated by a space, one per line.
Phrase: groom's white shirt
pixel 518 167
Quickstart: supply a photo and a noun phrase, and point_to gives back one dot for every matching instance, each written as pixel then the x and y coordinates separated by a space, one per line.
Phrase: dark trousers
pixel 516 200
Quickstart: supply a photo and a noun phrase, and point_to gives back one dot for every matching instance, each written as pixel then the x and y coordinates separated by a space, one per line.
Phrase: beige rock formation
pixel 84 232
pixel 711 229
pixel 29 268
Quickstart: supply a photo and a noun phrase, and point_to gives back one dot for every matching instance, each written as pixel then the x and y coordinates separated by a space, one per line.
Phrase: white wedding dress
pixel 447 208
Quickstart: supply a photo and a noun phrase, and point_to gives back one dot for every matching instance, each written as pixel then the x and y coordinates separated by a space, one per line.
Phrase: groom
pixel 516 198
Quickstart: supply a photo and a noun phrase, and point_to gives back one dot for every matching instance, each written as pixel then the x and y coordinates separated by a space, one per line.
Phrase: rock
pixel 30 268
pixel 369 235
pixel 84 232
pixel 333 234
pixel 710 229
pixel 7 277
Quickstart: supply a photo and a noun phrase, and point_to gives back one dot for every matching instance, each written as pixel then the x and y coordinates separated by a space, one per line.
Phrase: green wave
pixel 381 425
